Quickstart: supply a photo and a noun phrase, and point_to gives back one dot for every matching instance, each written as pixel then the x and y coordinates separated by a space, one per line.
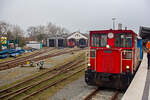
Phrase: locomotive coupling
pixel 129 75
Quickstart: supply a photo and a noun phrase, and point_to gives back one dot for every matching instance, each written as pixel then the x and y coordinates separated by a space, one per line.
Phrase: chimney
pixel 119 26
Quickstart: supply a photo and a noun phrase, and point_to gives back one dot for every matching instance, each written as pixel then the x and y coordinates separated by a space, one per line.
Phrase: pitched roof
pixel 77 35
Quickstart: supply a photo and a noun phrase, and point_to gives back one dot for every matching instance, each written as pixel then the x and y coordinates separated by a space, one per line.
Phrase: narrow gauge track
pixel 7 63
pixel 23 61
pixel 13 91
pixel 54 83
pixel 114 97
pixel 88 97
pixel 93 93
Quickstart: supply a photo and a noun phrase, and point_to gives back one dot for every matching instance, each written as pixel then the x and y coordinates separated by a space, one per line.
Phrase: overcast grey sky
pixel 83 15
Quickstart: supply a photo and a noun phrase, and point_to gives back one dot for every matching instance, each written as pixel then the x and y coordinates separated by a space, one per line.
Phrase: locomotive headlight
pixel 107 46
pixel 127 67
pixel 89 64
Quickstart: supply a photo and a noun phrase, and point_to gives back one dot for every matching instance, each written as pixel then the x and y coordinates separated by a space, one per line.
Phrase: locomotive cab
pixel 114 58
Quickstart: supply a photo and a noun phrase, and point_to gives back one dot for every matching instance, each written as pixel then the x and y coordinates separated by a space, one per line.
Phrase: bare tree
pixel 12 32
pixel 17 31
pixel 40 32
pixel 9 35
pixel 18 35
pixel 62 30
pixel 32 31
pixel 3 30
pixel 51 28
pixel 40 29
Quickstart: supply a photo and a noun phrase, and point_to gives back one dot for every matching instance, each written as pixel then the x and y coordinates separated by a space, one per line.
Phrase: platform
pixel 139 87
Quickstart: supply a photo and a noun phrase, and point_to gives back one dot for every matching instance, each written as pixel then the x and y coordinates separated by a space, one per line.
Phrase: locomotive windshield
pixel 99 40
pixel 123 40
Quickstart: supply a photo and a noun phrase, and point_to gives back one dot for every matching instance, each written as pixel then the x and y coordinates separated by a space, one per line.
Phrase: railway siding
pixel 14 74
pixel 23 61
pixel 44 84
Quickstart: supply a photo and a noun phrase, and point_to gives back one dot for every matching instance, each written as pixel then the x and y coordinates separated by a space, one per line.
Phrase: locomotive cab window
pixel 98 40
pixel 123 40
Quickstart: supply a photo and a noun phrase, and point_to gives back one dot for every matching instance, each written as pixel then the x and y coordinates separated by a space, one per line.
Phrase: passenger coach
pixel 114 58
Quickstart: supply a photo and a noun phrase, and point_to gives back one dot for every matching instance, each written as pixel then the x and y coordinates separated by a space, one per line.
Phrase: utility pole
pixel 113 19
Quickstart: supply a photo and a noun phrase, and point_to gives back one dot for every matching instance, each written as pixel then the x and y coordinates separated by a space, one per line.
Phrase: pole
pixel 113 23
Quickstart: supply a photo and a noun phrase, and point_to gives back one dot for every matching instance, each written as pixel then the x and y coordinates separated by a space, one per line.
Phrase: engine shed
pixel 57 41
pixel 77 39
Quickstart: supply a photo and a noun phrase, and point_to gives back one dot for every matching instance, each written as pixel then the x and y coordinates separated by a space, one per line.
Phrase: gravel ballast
pixel 76 90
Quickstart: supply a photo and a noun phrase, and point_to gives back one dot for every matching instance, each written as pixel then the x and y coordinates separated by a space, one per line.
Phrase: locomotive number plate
pixel 107 51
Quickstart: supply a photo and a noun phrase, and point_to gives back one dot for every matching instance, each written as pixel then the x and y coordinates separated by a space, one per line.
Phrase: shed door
pixel 60 43
pixel 51 43
pixel 108 61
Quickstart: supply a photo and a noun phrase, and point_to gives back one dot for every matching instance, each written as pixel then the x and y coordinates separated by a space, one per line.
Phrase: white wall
pixel 36 46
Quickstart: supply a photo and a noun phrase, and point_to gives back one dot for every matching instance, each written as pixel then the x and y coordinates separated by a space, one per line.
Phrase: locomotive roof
pixel 118 31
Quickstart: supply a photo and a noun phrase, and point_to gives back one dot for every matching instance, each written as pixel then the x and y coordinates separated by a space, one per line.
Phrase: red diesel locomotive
pixel 114 58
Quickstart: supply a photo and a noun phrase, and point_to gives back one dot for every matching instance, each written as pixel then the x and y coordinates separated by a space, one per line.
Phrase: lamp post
pixel 113 19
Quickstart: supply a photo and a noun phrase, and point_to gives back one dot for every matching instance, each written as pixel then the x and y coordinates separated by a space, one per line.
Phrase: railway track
pixel 32 55
pixel 33 58
pixel 92 95
pixel 47 77
pixel 88 97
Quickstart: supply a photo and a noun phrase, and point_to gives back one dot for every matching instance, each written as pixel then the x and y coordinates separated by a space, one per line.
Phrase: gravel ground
pixel 103 95
pixel 77 90
pixel 11 75
pixel 48 52
pixel 106 95
pixel 58 59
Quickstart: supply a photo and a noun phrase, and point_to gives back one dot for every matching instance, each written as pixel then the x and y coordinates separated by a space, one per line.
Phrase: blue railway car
pixel 15 53
pixel 4 54
pixel 139 45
